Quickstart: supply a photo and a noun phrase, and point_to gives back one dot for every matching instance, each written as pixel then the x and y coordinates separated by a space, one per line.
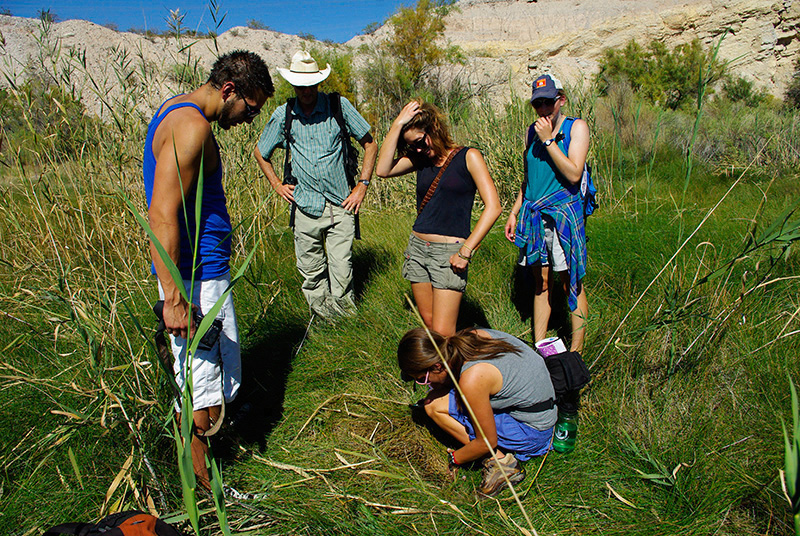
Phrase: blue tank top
pixel 543 177
pixel 214 253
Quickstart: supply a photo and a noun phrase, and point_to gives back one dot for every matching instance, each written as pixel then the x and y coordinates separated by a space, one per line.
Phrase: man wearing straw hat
pixel 324 219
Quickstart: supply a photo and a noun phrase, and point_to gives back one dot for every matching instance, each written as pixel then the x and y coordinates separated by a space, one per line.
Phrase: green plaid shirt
pixel 317 159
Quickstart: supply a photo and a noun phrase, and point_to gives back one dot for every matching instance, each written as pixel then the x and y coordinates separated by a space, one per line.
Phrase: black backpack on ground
pixel 569 374
pixel 130 523
pixel 349 151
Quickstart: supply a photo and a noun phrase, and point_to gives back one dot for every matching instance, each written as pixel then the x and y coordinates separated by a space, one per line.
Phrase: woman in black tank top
pixel 441 244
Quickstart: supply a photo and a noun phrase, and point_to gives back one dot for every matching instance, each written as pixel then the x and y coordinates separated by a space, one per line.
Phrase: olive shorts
pixel 429 262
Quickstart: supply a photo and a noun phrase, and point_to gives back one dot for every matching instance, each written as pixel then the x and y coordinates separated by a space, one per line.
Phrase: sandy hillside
pixel 506 41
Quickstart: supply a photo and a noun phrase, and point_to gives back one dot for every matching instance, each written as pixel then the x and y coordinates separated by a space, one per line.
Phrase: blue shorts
pixel 512 436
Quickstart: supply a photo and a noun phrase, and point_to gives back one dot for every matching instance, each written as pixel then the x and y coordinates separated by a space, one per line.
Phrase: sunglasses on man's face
pixel 538 103
pixel 250 111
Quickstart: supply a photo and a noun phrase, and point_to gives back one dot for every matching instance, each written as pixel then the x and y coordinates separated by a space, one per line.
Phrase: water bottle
pixel 566 432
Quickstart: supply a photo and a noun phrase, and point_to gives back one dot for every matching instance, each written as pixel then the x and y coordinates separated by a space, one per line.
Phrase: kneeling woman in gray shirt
pixel 504 381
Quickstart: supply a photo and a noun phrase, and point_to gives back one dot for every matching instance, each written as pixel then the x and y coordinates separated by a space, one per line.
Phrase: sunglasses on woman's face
pixel 426 381
pixel 538 103
pixel 419 144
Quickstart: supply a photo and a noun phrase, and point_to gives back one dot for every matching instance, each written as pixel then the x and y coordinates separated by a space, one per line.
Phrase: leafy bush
pixel 666 77
pixel 740 89
pixel 37 117
pixel 792 97
pixel 404 66
pixel 256 24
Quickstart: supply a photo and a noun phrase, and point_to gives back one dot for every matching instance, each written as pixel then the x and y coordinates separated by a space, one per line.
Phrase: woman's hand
pixel 458 264
pixel 511 226
pixel 544 128
pixel 407 113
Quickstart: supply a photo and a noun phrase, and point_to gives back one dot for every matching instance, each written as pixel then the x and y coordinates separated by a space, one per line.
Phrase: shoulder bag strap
pixel 435 182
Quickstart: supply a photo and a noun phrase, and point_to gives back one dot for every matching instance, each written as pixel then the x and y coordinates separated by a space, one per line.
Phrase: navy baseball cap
pixel 545 87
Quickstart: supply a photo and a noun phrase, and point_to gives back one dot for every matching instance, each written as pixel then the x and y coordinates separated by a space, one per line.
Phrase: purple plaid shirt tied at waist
pixel 567 211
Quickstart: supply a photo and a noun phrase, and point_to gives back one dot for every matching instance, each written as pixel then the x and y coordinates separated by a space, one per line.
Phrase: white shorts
pixel 556 258
pixel 555 253
pixel 216 373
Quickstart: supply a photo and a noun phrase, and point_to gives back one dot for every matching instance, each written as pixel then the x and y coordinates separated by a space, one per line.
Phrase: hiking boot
pixel 493 482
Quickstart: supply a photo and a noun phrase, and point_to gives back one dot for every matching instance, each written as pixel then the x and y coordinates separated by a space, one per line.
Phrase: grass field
pixel 692 341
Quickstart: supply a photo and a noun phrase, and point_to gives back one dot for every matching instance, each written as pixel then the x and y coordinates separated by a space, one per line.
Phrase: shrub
pixel 666 77
pixel 256 24
pixel 792 97
pixel 741 89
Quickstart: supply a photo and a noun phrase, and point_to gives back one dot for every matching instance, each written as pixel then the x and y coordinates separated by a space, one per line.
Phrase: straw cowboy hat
pixel 304 70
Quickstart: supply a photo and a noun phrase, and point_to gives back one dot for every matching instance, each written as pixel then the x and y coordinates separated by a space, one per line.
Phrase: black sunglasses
pixel 538 103
pixel 250 111
pixel 420 143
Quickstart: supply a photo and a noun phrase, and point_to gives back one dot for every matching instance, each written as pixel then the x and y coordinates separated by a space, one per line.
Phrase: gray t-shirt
pixel 526 382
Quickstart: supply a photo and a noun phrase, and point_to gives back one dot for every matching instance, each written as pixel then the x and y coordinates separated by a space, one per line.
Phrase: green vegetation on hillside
pixel 693 331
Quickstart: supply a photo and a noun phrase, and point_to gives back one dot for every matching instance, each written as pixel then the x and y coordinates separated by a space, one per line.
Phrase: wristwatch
pixel 548 142
pixel 365 182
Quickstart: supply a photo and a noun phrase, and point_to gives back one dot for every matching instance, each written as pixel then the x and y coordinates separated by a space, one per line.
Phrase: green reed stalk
pixel 791 477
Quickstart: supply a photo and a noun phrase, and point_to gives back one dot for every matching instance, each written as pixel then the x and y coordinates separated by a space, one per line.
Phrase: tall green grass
pixel 680 431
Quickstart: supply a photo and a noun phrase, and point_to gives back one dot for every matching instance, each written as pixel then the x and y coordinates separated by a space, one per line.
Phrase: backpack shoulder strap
pixel 287 123
pixel 335 103
pixel 531 136
pixel 67 528
pixel 566 128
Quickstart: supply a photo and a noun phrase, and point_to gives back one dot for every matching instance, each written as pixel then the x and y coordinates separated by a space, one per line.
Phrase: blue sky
pixel 337 20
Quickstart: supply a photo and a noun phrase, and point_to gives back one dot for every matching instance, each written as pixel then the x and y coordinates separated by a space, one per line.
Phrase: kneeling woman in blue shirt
pixel 505 382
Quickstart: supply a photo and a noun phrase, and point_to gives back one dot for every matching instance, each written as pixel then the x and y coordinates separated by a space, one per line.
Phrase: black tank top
pixel 448 211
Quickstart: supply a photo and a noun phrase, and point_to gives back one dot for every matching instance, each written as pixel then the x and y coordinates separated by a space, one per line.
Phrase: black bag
pixel 130 523
pixel 569 375
pixel 568 372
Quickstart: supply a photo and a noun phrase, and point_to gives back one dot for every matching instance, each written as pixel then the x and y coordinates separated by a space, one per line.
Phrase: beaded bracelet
pixel 452 454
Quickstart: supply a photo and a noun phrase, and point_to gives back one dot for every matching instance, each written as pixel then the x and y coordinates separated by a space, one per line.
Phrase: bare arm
pixel 359 191
pixel 511 223
pixel 388 165
pixel 178 157
pixel 570 166
pixel 476 166
pixel 478 383
pixel 286 191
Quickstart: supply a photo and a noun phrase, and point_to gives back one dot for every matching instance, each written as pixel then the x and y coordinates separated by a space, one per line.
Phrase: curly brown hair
pixel 432 121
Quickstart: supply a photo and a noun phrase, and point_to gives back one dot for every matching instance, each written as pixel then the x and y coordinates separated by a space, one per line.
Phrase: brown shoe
pixel 493 482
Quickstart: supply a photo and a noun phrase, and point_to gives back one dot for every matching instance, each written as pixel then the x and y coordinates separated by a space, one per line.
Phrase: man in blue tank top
pixel 180 141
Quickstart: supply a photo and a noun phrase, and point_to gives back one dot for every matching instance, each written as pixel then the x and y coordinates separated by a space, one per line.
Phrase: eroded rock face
pixel 520 39
pixel 507 42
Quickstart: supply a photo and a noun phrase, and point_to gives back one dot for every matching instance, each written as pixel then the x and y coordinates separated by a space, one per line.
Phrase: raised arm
pixel 388 165
pixel 570 166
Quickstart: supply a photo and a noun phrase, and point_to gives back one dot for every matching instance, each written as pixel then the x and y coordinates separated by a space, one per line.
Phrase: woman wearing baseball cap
pixel 547 221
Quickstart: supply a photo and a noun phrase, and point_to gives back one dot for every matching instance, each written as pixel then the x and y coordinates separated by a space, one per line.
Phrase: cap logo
pixel 541 83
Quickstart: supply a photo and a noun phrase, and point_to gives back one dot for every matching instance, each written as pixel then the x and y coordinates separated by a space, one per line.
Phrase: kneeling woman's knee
pixel 438 407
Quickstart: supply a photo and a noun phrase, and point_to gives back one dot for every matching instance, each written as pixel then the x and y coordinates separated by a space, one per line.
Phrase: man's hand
pixel 177 317
pixel 286 191
pixel 356 197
